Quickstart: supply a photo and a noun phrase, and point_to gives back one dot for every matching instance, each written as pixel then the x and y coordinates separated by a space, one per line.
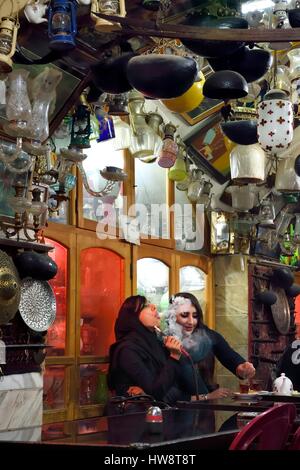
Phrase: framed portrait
pixel 207 149
pixel 206 108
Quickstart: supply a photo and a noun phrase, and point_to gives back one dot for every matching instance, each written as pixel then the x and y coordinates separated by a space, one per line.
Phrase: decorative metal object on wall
pixel 9 288
pixel 37 305
pixel 281 311
pixel 222 238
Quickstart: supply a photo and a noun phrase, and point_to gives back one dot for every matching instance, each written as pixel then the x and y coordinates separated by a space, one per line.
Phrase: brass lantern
pixel 8 39
pixel 107 7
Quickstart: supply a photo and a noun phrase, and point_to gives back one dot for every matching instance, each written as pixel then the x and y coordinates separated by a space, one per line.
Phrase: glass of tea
pixel 244 386
pixel 256 385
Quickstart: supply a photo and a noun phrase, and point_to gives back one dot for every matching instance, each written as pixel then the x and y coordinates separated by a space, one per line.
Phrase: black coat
pixel 153 370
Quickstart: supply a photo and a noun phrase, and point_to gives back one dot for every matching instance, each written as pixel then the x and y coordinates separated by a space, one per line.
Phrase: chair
pixel 295 443
pixel 268 431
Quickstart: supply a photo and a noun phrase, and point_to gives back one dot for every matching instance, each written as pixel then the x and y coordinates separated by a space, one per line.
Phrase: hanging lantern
pixel 106 126
pixel 62 26
pixel 266 214
pixel 8 39
pixel 275 122
pixel 107 7
pixel 81 127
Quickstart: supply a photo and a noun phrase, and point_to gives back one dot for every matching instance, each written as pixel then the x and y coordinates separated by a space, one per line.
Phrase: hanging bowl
pixel 253 64
pixel 266 297
pixel 282 277
pixel 241 132
pixel 35 265
pixel 225 85
pixel 161 76
pixel 214 48
pixel 293 291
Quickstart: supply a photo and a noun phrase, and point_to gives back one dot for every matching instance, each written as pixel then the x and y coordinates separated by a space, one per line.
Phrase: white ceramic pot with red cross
pixel 275 122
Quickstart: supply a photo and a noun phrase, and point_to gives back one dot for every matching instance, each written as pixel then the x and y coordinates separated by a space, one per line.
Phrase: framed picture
pixel 206 108
pixel 207 149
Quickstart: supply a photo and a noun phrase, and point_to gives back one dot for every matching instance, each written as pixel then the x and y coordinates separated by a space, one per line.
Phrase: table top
pixel 131 430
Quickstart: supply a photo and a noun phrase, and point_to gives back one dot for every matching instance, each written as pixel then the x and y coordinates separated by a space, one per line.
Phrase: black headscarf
pixel 131 332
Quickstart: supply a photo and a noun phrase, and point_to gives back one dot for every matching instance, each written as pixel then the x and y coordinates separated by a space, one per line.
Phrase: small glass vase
pixel 18 107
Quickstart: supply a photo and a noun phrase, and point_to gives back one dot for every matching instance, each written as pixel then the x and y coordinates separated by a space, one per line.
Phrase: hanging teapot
pixel 282 385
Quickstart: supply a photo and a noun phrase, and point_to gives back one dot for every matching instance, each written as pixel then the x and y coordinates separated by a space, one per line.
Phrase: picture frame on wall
pixel 206 148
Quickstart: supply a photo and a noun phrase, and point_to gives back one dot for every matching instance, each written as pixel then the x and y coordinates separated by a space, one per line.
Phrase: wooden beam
pixel 179 31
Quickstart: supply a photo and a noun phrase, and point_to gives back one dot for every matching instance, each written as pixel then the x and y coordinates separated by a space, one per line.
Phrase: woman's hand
pixel 133 391
pixel 219 393
pixel 245 370
pixel 174 346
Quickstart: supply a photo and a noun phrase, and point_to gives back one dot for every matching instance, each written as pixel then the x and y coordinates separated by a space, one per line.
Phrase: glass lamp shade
pixel 275 122
pixel 294 58
pixel 178 171
pixel 144 141
pixel 247 163
pixel 266 213
pixel 37 208
pixel 283 79
pixel 243 197
pixel 18 107
pixel 286 178
pixel 122 134
pixel 168 153
pixel 19 204
pixel 109 7
pixel 196 185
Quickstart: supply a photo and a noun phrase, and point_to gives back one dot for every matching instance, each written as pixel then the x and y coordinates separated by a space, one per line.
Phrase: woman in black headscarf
pixel 140 359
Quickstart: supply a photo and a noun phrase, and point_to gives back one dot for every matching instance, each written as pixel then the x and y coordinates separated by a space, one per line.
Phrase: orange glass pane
pixel 93 386
pixel 53 391
pixel 297 310
pixel 101 295
pixel 56 336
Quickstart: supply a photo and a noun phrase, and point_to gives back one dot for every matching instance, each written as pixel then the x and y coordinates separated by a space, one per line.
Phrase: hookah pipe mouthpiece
pixel 183 351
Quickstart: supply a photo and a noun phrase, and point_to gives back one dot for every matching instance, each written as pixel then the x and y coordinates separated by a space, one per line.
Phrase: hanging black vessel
pixel 35 265
pixel 294 17
pixel 293 291
pixel 266 297
pixel 213 48
pixel 282 277
pixel 241 132
pixel 251 63
pixel 297 165
pixel 110 75
pixel 161 76
pixel 225 85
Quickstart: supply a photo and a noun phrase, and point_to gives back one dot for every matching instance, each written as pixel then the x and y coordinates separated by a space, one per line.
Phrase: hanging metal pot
pixel 225 85
pixel 251 63
pixel 213 48
pixel 162 76
pixel 241 132
pixel 281 311
pixel 110 75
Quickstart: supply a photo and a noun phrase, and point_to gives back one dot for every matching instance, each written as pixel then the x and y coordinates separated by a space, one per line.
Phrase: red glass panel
pixel 53 392
pixel 93 386
pixel 101 295
pixel 56 336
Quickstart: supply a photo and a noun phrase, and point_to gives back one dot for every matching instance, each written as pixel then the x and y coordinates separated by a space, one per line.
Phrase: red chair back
pixel 268 431
pixel 295 444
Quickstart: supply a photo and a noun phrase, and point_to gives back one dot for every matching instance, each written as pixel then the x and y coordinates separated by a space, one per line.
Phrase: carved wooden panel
pixel 266 344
